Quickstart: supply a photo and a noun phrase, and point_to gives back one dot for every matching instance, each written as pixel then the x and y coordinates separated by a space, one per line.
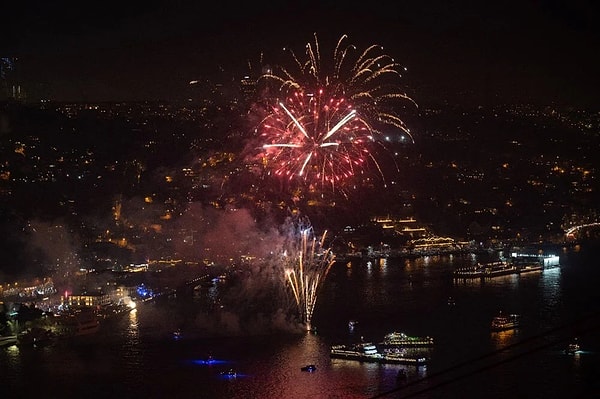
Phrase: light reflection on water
pixel 137 356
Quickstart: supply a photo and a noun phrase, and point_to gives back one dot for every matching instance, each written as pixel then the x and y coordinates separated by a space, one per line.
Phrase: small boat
pixel 309 367
pixel 351 325
pixel 177 335
pixel 231 373
pixel 503 322
pixel 573 348
pixel 35 337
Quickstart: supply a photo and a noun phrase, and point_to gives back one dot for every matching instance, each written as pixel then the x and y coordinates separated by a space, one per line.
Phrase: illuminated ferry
pixel 503 322
pixel 534 262
pixel 485 270
pixel 401 339
pixel 78 322
pixel 367 352
pixel 519 264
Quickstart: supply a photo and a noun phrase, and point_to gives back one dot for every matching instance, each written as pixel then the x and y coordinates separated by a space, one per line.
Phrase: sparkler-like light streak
pixel 306 266
pixel 322 126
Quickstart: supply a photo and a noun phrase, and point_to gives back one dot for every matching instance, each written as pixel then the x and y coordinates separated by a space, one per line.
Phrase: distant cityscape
pixel 111 186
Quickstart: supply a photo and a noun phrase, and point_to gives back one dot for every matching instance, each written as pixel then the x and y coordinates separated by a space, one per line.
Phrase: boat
pixel 487 270
pixel 113 310
pixel 177 335
pixel 78 322
pixel 535 261
pixel 503 322
pixel 231 373
pixel 352 325
pixel 573 348
pixel 401 339
pixel 519 264
pixel 35 337
pixel 309 367
pixel 368 352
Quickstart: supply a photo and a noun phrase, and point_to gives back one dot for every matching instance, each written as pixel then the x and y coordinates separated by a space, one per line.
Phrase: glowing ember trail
pixel 306 266
pixel 324 127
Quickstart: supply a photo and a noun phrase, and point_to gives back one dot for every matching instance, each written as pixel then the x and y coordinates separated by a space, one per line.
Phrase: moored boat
pixel 517 264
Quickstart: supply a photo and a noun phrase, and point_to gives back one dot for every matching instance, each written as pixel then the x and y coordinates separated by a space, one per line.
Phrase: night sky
pixel 475 52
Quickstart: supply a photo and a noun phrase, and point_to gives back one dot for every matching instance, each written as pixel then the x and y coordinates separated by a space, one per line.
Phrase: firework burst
pixel 306 264
pixel 324 124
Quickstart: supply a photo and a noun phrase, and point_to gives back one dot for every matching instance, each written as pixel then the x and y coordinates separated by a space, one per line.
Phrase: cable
pixel 593 316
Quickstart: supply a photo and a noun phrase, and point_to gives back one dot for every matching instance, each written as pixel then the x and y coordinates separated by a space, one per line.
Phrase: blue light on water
pixel 143 291
pixel 231 375
pixel 209 362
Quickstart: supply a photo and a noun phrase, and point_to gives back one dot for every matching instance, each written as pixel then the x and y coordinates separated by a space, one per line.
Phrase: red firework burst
pixel 324 128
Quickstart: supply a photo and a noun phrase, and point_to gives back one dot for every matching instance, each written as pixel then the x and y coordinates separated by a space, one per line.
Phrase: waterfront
pixel 136 356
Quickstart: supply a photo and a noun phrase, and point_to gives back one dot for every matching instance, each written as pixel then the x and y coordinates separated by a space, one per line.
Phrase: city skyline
pixel 465 54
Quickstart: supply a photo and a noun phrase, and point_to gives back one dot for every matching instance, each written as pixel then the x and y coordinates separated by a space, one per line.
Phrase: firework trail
pixel 306 264
pixel 324 124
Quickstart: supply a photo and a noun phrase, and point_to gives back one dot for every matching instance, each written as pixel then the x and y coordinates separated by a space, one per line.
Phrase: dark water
pixel 136 357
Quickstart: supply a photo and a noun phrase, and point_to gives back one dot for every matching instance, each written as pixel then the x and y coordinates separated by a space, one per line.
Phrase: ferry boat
pixel 486 270
pixel 538 261
pixel 518 264
pixel 401 339
pixel 78 322
pixel 503 322
pixel 368 352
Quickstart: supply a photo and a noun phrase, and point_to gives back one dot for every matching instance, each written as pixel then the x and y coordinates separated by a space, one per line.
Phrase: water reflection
pixel 502 339
pixel 141 355
pixel 133 328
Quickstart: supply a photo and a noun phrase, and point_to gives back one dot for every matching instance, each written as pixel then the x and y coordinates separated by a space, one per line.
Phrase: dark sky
pixel 456 51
